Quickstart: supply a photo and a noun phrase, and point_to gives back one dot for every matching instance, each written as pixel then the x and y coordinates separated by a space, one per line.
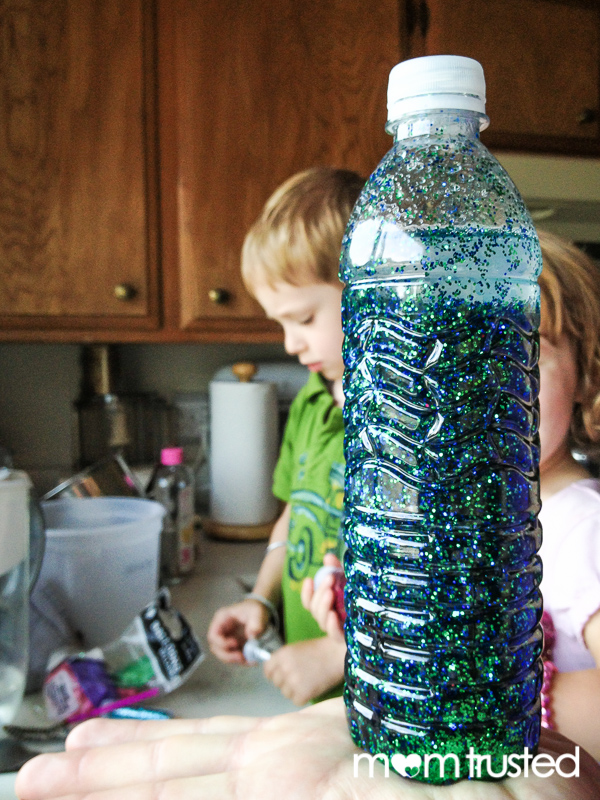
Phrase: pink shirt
pixel 571 556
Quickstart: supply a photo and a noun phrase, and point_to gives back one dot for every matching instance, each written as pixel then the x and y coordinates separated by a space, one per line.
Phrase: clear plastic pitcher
pixel 101 563
pixel 14 590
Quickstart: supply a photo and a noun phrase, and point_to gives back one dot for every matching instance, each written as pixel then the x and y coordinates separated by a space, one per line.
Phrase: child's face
pixel 310 316
pixel 558 394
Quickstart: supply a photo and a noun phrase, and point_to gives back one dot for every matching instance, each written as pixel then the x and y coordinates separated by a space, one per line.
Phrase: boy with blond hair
pixel 290 265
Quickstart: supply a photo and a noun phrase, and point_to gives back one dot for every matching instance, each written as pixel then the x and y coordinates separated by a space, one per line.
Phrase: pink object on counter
pixel 124 701
pixel 171 456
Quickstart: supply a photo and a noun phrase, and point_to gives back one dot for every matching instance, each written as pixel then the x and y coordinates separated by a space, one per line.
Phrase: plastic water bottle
pixel 172 484
pixel 440 315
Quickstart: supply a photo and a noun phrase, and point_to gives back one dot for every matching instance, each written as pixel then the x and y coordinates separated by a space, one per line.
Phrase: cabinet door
pixel 250 93
pixel 77 187
pixel 541 60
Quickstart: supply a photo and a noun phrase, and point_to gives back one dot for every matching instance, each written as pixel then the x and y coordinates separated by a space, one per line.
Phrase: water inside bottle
pixel 441 499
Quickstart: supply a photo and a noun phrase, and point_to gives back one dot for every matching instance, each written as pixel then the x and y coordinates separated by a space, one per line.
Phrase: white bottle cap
pixel 435 82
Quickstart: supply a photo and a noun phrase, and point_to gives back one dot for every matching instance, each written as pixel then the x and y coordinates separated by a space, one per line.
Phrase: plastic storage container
pixel 440 315
pixel 101 562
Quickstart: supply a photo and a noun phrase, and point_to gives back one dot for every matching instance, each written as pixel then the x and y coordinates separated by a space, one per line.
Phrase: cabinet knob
pixel 125 291
pixel 587 116
pixel 219 296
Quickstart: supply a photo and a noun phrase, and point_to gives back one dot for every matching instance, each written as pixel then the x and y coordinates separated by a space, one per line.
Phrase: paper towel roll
pixel 244 444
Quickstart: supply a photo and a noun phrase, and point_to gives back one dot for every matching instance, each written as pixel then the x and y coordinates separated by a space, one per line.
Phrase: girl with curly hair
pixel 570 515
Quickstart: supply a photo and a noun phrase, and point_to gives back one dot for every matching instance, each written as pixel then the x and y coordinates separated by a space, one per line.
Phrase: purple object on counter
pixel 94 679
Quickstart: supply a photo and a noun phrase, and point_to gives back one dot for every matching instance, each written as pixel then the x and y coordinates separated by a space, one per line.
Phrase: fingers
pixel 225 634
pixel 207 766
pixel 329 595
pixel 229 651
pixel 275 670
pixel 305 670
pixel 306 592
pixel 232 626
pixel 331 560
pixel 207 787
pixel 322 603
pixel 131 763
pixel 321 606
pixel 257 619
pixel 285 671
pixel 101 732
pixel 126 770
pixel 334 626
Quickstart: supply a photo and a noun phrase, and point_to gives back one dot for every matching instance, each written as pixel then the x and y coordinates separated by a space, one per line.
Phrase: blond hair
pixel 297 238
pixel 570 291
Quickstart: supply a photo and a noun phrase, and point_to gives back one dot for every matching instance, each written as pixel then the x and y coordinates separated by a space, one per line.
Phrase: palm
pixel 314 760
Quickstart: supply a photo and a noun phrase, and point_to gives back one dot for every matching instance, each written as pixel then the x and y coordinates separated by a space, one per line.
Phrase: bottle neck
pixel 447 123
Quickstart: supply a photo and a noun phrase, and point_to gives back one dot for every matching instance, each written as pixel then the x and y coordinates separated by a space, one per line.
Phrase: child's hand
pixel 321 601
pixel 232 626
pixel 306 670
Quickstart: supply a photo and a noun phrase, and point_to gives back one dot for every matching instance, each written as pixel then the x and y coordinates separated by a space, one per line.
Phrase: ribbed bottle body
pixel 440 314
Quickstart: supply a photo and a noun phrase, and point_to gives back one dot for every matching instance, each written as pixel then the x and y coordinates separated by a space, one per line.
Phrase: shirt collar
pixel 316 386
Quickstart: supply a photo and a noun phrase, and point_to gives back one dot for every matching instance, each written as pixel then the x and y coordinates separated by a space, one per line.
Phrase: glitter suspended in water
pixel 440 318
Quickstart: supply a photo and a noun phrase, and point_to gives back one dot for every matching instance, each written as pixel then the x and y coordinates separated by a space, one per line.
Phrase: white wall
pixel 562 192
pixel 40 382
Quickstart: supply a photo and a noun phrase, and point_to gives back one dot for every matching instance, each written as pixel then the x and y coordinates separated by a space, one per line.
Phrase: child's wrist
pixel 271 608
pixel 274 546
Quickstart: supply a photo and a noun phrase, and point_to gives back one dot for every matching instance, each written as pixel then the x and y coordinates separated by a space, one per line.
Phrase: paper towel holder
pixel 236 533
pixel 244 372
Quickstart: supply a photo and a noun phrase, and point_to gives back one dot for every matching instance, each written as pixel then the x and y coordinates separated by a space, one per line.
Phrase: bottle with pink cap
pixel 172 484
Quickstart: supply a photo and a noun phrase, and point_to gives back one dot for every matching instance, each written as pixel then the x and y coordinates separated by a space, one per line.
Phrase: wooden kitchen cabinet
pixel 140 138
pixel 250 93
pixel 78 209
pixel 541 60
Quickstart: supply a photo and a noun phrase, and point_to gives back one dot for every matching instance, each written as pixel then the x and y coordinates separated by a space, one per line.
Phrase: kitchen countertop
pixel 214 688
pixel 217 688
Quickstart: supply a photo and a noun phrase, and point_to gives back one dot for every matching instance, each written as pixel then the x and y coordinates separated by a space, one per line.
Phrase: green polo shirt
pixel 310 476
